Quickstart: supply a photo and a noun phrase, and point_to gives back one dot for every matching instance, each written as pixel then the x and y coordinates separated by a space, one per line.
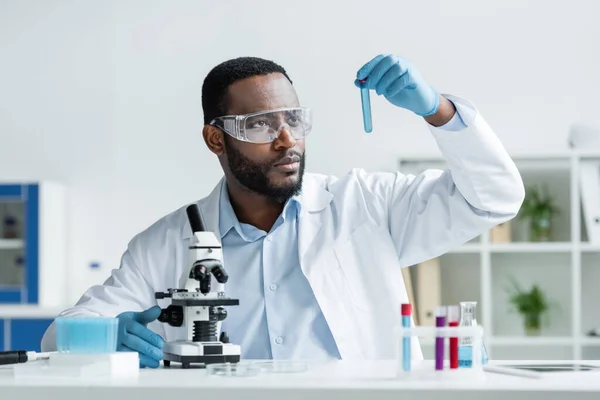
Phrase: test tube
pixel 440 322
pixel 365 99
pixel 406 310
pixel 453 317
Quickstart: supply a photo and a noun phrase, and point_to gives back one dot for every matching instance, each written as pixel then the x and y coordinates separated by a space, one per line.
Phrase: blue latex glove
pixel 401 84
pixel 134 336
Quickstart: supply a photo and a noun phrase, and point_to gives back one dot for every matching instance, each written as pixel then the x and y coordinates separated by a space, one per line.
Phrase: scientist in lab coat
pixel 315 260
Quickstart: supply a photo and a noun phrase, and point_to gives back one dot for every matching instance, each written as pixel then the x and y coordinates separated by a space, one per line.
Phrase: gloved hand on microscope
pixel 135 336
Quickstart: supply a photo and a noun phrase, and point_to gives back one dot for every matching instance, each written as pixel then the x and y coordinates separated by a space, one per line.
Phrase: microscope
pixel 198 307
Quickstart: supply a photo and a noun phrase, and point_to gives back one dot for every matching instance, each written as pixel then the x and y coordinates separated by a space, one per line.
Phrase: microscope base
pixel 187 353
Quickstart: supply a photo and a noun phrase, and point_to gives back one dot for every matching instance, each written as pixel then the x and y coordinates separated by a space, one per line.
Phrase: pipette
pixel 21 356
pixel 365 99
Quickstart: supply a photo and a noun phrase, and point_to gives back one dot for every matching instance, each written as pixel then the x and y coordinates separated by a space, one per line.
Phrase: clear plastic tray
pixel 233 370
pixel 253 368
pixel 282 366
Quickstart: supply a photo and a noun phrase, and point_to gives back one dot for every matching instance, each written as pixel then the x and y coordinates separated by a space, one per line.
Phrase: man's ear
pixel 213 137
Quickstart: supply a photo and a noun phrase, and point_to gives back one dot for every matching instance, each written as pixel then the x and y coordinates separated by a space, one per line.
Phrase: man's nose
pixel 285 139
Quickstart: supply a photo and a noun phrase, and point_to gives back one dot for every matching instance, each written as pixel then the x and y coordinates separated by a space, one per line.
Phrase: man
pixel 315 260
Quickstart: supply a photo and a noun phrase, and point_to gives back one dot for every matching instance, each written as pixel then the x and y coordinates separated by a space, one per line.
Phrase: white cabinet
pixel 33 262
pixel 567 268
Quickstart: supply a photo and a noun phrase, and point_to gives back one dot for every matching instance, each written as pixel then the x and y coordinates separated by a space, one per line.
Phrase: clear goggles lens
pixel 265 126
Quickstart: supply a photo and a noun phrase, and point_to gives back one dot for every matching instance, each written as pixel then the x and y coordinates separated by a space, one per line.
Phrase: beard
pixel 254 176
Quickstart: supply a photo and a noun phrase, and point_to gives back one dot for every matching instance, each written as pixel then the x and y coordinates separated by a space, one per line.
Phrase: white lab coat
pixel 355 234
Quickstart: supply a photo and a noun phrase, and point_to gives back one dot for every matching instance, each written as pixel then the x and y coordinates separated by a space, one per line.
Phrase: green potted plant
pixel 538 207
pixel 532 305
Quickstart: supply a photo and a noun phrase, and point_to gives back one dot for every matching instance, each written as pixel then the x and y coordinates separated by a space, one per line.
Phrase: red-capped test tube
pixel 453 318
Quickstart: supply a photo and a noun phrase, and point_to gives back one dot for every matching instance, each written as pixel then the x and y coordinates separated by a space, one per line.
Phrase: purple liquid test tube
pixel 440 322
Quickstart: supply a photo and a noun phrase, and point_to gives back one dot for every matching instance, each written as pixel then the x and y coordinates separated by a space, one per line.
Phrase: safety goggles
pixel 265 126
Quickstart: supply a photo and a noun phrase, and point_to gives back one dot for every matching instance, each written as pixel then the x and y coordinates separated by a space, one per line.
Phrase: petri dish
pixel 233 370
pixel 282 366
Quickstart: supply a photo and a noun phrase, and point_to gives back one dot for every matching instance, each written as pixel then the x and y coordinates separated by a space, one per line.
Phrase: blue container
pixel 86 335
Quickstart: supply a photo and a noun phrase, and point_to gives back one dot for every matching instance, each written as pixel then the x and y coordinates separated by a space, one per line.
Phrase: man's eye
pixel 293 120
pixel 259 124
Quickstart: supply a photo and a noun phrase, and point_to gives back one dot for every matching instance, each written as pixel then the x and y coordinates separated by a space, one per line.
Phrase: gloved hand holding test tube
pixel 401 84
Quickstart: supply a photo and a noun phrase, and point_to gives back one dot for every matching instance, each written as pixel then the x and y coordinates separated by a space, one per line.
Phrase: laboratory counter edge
pixel 371 380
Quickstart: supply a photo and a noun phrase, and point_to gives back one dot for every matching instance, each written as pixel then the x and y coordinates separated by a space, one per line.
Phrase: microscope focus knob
pixel 220 313
pixel 172 315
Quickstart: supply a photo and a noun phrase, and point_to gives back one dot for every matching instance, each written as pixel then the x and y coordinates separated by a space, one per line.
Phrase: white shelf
pixel 467 248
pixel 524 247
pixel 546 247
pixel 531 341
pixel 565 269
pixel 525 341
pixel 590 247
pixel 11 244
pixel 590 341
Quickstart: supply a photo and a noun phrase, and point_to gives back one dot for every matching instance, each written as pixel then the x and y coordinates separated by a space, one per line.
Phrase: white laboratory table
pixel 374 380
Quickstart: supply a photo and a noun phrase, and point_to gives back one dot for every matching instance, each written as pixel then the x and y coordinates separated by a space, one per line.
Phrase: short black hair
pixel 216 83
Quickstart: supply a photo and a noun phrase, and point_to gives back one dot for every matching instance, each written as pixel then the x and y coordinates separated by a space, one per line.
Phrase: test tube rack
pixel 410 369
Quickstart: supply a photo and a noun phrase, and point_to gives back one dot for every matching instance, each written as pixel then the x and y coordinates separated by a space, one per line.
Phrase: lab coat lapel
pixel 210 209
pixel 314 254
pixel 314 199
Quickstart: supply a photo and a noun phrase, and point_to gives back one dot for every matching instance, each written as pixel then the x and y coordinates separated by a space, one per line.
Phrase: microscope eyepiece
pixel 199 272
pixel 195 218
pixel 220 274
pixel 202 271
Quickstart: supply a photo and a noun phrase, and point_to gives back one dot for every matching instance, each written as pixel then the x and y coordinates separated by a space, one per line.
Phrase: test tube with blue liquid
pixel 406 311
pixel 365 99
